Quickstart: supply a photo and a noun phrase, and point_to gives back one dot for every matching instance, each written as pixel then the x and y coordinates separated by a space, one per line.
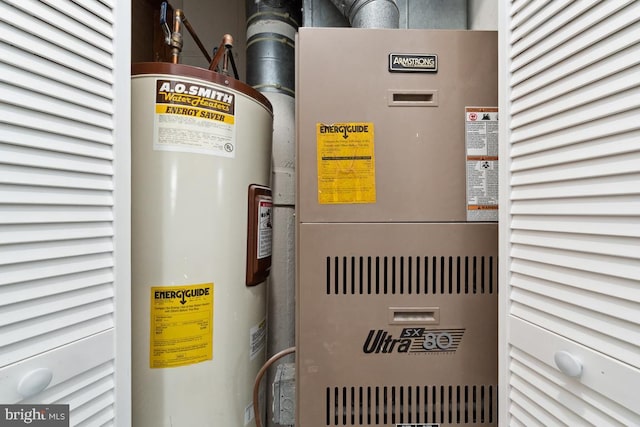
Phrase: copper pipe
pixel 187 24
pixel 176 37
pixel 256 384
pixel 226 43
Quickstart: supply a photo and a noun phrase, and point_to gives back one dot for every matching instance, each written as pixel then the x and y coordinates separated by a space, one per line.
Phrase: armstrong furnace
pixel 396 227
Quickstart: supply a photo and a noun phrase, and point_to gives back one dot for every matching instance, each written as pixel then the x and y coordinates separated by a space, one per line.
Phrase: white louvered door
pixel 64 204
pixel 570 212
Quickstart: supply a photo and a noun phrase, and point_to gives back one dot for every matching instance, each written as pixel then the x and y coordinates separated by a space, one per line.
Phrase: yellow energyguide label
pixel 346 163
pixel 181 325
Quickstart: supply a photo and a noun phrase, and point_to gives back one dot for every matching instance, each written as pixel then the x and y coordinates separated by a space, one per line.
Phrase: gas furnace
pixel 397 227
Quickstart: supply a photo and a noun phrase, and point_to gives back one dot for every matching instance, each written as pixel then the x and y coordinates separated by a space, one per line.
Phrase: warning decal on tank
pixel 181 325
pixel 265 227
pixel 194 118
pixel 481 137
pixel 346 163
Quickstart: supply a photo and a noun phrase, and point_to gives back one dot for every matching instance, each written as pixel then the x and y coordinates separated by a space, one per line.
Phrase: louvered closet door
pixel 570 213
pixel 64 204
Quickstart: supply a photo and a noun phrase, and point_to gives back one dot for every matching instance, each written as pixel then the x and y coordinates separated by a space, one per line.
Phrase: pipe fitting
pixel 271 30
pixel 370 13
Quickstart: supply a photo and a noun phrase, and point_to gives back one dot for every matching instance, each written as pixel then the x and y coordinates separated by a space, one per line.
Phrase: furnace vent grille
pixel 411 275
pixel 384 405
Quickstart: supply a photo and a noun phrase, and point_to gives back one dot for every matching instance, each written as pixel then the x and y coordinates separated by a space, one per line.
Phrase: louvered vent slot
pixel 411 275
pixel 384 405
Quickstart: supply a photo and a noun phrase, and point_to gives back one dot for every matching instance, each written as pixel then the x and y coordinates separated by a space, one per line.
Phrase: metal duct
pixel 271 29
pixel 370 13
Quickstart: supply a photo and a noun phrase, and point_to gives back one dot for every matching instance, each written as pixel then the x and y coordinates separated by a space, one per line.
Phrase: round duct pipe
pixel 271 30
pixel 370 13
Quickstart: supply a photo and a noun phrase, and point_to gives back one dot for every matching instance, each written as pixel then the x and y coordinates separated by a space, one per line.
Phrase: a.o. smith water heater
pixel 201 245
pixel 396 228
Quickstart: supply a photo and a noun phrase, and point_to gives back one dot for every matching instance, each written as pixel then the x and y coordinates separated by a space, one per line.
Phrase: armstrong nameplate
pixel 407 62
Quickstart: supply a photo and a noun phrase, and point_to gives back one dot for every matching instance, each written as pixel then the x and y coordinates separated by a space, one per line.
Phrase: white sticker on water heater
pixel 257 337
pixel 249 415
pixel 194 118
pixel 481 140
pixel 249 412
pixel 265 227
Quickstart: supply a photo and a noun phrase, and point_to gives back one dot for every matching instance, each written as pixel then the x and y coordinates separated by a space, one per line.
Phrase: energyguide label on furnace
pixel 181 325
pixel 481 138
pixel 346 163
pixel 194 118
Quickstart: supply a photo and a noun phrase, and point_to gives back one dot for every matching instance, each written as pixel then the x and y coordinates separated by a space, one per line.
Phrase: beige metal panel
pixel 419 148
pixel 386 281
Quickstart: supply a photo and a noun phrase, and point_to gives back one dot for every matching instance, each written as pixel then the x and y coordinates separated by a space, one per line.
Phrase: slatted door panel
pixel 60 138
pixel 570 205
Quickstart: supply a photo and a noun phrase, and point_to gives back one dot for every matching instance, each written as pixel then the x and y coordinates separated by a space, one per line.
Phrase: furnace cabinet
pixel 396 227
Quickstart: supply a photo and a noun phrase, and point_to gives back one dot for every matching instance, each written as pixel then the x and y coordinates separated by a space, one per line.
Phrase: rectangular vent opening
pixel 438 404
pixel 413 97
pixel 383 275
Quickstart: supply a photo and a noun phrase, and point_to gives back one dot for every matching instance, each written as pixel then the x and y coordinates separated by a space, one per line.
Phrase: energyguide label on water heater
pixel 346 163
pixel 194 118
pixel 181 325
pixel 481 138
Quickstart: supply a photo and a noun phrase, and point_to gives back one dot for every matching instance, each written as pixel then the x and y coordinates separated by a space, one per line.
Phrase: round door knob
pixel 568 364
pixel 34 382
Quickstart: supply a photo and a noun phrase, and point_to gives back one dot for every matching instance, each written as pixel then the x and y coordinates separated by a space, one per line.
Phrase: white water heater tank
pixel 201 245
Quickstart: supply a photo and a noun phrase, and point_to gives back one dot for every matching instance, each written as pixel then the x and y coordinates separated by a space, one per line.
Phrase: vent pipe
pixel 271 33
pixel 370 13
pixel 271 30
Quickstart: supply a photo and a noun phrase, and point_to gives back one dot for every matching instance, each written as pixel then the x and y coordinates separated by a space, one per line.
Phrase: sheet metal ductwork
pixel 271 30
pixel 271 34
pixel 370 13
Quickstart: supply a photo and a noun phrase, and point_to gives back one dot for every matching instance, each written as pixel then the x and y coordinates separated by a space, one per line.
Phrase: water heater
pixel 396 227
pixel 201 245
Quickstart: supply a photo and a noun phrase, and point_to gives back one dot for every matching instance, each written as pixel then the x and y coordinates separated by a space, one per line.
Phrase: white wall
pixel 211 20
pixel 483 14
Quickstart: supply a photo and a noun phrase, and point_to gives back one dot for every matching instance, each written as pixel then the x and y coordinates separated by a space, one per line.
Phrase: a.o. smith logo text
pixel 413 340
pixel 193 95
